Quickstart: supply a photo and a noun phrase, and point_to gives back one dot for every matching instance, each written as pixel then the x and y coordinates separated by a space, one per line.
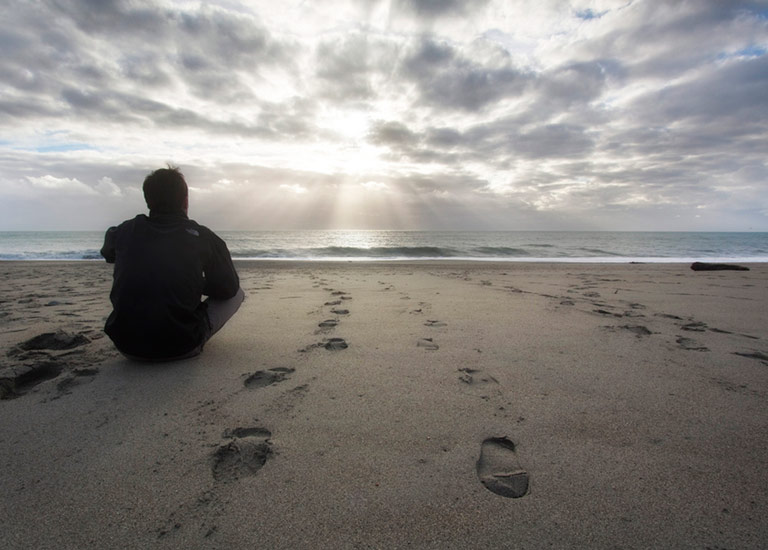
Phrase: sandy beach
pixel 395 405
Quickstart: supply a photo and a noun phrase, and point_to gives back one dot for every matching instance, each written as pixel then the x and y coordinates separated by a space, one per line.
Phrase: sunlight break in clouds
pixel 402 114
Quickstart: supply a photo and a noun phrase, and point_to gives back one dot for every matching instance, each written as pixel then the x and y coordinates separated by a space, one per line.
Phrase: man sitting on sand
pixel 164 264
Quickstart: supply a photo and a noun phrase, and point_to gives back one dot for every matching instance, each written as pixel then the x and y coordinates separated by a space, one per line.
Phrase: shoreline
pixel 630 399
pixel 448 261
pixel 495 246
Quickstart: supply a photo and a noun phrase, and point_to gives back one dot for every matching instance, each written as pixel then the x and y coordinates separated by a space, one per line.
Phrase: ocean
pixel 529 246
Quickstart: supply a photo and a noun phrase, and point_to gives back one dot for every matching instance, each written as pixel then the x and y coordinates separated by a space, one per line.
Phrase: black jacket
pixel 164 264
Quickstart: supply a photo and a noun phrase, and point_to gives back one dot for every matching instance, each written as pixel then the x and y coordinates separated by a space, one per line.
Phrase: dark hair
pixel 165 190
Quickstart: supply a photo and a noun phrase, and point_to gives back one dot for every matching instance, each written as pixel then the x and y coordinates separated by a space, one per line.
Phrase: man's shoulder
pixel 201 230
pixel 140 218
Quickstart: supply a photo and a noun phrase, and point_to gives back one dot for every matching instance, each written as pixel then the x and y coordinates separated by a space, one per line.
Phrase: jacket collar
pixel 162 215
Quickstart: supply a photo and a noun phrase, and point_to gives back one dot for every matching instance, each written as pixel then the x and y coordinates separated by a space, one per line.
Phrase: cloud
pixel 150 65
pixel 294 188
pixel 438 8
pixel 60 185
pixel 730 92
pixel 449 79
pixel 392 133
pixel 375 186
pixel 106 186
pixel 342 67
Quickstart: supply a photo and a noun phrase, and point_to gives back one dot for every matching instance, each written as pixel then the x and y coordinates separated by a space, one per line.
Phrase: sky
pixel 610 115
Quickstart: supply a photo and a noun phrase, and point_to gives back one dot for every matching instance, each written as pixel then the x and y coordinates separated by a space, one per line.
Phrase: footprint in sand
pixel 690 344
pixel 668 316
pixel 336 344
pixel 58 341
pixel 479 384
pixel 261 378
pixel 332 344
pixel 695 326
pixel 499 470
pixel 605 312
pixel 760 356
pixel 338 311
pixel 435 323
pixel 427 344
pixel 245 455
pixel 16 381
pixel 638 330
pixel 76 378
pixel 475 376
pixel 327 325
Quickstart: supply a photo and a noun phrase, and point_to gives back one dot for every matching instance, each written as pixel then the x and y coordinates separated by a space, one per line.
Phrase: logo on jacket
pixel 192 232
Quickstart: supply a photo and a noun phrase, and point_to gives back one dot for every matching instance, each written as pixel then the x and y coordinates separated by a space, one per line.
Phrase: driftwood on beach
pixel 703 266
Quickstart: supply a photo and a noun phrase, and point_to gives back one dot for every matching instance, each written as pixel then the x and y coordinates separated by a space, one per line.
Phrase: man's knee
pixel 221 311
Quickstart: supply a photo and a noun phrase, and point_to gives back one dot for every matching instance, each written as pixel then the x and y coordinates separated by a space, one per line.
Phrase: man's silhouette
pixel 164 264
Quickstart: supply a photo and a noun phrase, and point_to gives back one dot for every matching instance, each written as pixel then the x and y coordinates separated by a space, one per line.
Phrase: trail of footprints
pixel 246 450
pixel 634 312
pixel 498 467
pixel 338 299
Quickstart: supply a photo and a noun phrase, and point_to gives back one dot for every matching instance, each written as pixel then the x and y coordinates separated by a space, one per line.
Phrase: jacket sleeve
pixel 221 280
pixel 108 250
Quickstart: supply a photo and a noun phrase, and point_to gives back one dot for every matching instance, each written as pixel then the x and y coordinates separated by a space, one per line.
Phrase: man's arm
pixel 221 280
pixel 108 250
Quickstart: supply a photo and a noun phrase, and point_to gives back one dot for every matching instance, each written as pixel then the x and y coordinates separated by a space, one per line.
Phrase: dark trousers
pixel 219 312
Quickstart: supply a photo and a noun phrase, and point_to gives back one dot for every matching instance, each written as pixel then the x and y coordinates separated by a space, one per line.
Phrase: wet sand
pixel 395 405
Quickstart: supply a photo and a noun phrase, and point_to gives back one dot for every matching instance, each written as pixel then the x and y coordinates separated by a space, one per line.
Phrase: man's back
pixel 164 263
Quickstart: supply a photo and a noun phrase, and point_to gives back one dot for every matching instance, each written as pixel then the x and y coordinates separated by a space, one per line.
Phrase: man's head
pixel 166 191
